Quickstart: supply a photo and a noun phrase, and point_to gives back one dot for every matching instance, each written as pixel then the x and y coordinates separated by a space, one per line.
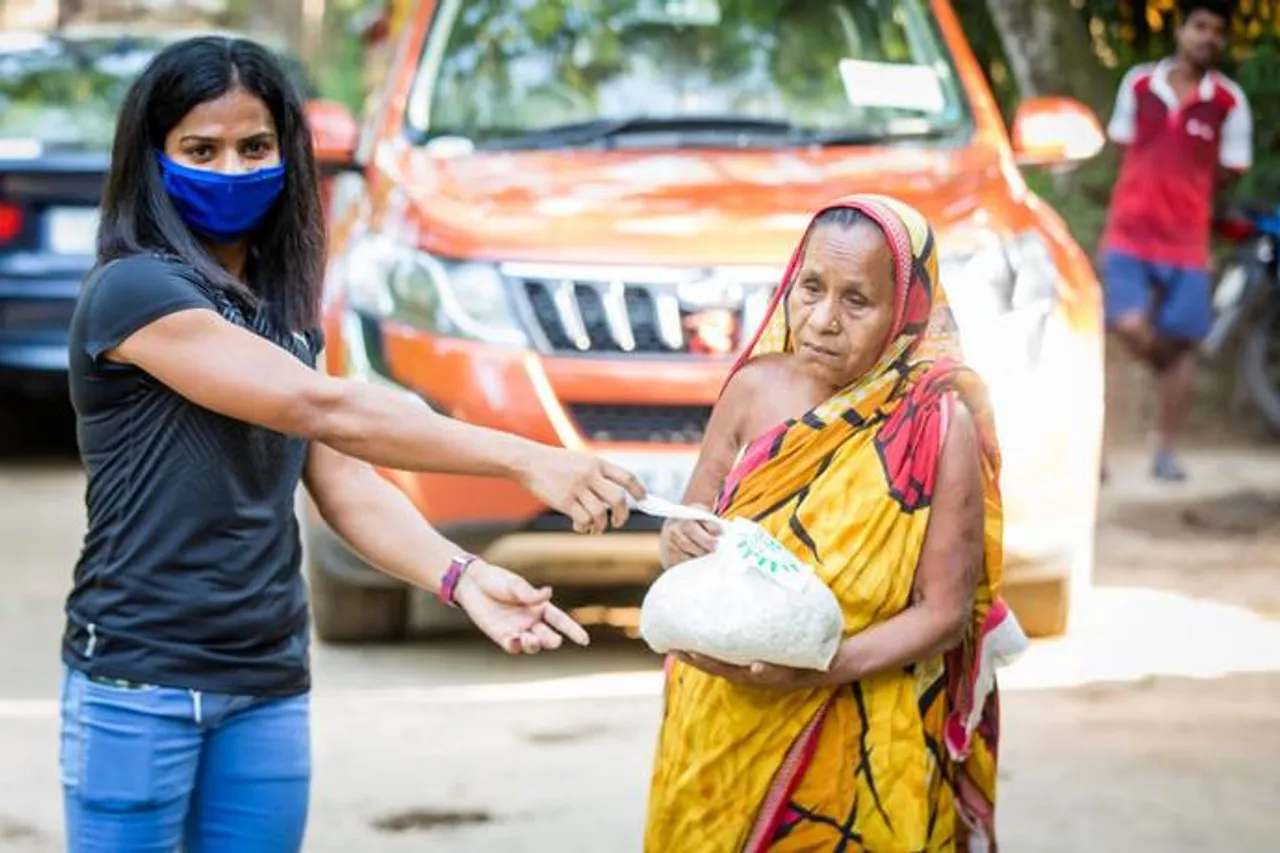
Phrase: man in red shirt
pixel 1186 131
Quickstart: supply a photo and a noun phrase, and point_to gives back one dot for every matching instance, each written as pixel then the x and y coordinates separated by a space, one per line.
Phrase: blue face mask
pixel 220 206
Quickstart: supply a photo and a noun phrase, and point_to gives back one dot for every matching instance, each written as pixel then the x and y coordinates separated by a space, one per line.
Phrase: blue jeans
pixel 146 769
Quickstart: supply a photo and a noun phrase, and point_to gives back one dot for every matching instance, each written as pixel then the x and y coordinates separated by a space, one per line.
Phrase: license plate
pixel 73 230
pixel 664 475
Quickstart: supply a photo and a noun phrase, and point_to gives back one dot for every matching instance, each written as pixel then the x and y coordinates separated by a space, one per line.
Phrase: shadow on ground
pixel 1245 513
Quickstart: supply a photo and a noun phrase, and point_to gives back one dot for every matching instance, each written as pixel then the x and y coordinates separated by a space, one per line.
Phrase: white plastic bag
pixel 750 600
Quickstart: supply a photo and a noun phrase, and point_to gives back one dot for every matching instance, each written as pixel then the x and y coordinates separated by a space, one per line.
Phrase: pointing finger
pixel 565 624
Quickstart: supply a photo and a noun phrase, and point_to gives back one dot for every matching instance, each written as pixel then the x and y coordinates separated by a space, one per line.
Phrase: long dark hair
pixel 286 257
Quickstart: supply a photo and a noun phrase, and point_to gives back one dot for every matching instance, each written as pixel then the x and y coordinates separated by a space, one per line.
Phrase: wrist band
pixel 449 583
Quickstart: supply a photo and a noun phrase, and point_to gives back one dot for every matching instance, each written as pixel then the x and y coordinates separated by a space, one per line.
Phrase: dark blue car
pixel 59 96
pixel 58 101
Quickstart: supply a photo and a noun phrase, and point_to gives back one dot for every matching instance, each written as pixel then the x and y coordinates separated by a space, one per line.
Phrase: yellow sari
pixel 900 762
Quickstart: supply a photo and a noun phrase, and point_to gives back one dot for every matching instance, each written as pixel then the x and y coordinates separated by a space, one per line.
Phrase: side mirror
pixel 1055 132
pixel 334 133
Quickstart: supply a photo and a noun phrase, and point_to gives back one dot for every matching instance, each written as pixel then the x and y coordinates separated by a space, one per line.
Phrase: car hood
pixel 674 206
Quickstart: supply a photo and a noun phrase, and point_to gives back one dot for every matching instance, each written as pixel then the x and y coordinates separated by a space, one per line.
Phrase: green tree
pixel 1038 50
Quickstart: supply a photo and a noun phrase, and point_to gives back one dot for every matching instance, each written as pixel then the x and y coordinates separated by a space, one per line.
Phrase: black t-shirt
pixel 189 575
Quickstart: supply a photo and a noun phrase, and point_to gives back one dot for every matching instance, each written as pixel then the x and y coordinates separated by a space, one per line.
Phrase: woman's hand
pixel 588 489
pixel 758 674
pixel 513 613
pixel 685 540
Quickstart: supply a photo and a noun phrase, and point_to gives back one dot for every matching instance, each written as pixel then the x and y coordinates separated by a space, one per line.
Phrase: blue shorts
pixel 1177 300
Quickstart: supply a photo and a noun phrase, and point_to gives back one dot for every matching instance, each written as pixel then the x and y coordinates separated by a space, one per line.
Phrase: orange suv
pixel 563 220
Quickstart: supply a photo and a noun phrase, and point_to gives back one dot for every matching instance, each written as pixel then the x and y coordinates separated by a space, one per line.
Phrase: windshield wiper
pixel 876 136
pixel 602 130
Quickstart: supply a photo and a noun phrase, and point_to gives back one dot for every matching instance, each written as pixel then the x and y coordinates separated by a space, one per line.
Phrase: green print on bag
pixel 757 548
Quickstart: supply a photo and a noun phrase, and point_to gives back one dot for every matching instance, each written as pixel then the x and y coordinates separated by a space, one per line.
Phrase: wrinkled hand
pixel 758 674
pixel 685 540
pixel 513 613
pixel 588 489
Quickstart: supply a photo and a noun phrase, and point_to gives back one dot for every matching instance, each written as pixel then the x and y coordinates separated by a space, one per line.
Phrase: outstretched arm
pixel 234 372
pixel 384 527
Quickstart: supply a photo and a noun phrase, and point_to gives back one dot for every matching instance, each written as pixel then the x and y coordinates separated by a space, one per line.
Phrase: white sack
pixel 750 600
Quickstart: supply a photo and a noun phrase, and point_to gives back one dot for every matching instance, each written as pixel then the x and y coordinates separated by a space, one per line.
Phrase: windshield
pixel 60 92
pixel 869 69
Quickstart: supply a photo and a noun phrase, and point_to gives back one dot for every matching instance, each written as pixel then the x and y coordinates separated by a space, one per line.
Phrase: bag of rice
pixel 750 600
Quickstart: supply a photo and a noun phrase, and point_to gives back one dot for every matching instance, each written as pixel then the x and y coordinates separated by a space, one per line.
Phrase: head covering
pixel 923 326
pixel 921 364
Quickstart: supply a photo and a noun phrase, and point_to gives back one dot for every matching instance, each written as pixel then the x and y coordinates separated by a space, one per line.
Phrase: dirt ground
pixel 1154 726
pixel 1160 732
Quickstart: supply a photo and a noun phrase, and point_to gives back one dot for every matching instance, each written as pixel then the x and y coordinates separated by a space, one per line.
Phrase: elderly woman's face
pixel 841 304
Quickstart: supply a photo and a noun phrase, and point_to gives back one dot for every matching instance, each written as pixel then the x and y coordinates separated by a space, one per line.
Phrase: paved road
pixel 1154 727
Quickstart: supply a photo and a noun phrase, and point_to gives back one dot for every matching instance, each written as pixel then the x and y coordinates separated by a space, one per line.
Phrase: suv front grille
pixel 604 423
pixel 632 310
pixel 635 328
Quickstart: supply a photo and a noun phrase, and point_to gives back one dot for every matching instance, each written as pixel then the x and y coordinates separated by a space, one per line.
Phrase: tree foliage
pixel 1116 35
pixel 1122 33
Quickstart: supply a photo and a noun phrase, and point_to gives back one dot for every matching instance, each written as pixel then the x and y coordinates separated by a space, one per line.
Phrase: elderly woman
pixel 851 431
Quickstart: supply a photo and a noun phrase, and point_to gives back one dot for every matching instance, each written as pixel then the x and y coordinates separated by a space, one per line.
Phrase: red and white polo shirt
pixel 1162 204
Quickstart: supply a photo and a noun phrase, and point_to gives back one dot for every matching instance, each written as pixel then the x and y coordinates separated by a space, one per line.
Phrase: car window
pixel 501 67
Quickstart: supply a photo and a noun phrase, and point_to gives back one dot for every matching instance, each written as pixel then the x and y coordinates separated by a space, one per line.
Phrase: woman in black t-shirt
pixel 199 411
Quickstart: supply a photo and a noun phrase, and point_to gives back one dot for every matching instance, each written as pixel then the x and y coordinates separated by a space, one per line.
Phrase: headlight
pixel 1002 292
pixel 1017 274
pixel 460 299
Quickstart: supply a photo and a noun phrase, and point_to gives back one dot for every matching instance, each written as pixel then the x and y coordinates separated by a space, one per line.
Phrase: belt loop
pixel 196 705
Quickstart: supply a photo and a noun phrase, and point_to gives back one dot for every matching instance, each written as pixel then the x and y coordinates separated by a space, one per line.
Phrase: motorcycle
pixel 1246 305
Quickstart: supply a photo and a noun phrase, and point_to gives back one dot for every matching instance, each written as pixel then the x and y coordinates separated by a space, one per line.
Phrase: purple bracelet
pixel 449 583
